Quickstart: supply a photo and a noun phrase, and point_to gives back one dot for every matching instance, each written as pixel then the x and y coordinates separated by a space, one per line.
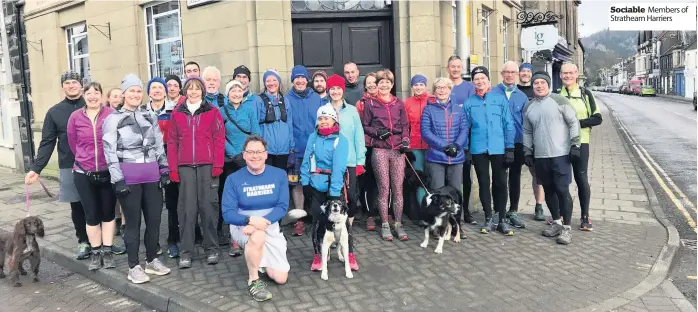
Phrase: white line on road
pixel 644 157
pixel 677 114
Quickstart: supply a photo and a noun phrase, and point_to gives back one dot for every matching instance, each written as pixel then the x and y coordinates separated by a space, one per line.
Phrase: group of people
pixel 230 164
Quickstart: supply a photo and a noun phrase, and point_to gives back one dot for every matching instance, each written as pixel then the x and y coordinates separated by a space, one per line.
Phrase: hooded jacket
pixel 330 154
pixel 279 134
pixel 55 129
pixel 196 139
pixel 350 127
pixel 133 137
pixel 443 124
pixel 390 116
pixel 517 103
pixel 491 124
pixel 304 114
pixel 246 118
pixel 85 139
pixel 414 106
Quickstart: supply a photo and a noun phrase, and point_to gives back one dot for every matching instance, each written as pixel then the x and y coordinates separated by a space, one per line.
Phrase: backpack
pixel 270 116
pixel 591 106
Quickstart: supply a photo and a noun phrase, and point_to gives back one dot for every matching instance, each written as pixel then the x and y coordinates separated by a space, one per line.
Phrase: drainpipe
pixel 28 149
pixel 463 35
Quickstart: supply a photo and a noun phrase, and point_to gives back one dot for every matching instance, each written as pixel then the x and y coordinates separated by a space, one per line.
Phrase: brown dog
pixel 22 245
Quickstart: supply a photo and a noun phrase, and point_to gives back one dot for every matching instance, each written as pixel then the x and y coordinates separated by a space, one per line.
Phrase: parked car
pixel 695 107
pixel 648 91
pixel 615 89
pixel 623 89
pixel 634 86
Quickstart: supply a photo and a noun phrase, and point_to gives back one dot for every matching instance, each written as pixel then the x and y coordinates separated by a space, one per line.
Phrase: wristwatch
pixel 247 220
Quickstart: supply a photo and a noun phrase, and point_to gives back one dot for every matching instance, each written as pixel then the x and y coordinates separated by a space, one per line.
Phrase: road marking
pixel 690 277
pixel 677 114
pixel 641 152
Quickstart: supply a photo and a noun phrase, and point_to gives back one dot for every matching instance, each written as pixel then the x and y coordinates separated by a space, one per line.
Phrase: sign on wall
pixel 541 37
pixel 196 3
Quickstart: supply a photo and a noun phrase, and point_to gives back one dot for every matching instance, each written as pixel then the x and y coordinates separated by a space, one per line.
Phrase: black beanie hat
pixel 480 70
pixel 175 78
pixel 242 69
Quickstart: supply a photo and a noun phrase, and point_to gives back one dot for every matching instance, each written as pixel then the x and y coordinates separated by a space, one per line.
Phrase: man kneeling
pixel 255 199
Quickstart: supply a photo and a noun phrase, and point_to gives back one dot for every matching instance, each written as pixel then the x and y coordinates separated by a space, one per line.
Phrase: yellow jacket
pixel 585 107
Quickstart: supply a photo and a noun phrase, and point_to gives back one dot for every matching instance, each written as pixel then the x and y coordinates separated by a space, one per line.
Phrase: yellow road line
pixel 691 277
pixel 689 218
pixel 669 181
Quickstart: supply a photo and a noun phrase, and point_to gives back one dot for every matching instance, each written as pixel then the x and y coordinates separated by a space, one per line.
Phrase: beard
pixel 320 89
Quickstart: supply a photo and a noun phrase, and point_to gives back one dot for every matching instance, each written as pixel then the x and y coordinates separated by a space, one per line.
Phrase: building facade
pixel 690 72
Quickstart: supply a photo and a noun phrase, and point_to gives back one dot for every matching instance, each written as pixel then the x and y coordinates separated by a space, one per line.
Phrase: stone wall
pixel 13 41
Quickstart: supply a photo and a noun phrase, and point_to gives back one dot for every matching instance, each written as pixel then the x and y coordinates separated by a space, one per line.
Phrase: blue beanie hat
pixel 299 71
pixel 270 72
pixel 526 66
pixel 131 80
pixel 158 80
pixel 418 78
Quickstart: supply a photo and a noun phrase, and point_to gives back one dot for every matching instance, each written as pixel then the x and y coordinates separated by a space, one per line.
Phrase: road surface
pixel 664 132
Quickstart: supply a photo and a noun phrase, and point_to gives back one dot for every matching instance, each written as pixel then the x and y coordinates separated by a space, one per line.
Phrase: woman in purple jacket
pixel 91 174
pixel 387 131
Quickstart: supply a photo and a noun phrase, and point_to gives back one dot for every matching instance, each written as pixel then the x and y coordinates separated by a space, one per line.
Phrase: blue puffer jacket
pixel 441 125
pixel 491 124
pixel 327 157
pixel 279 134
pixel 246 117
pixel 304 115
pixel 517 103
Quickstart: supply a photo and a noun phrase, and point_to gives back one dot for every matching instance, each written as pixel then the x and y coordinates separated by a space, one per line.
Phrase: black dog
pixel 439 211
pixel 21 245
pixel 413 181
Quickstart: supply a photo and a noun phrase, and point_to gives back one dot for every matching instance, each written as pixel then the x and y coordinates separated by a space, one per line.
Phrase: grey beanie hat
pixel 130 80
pixel 71 75
pixel 542 75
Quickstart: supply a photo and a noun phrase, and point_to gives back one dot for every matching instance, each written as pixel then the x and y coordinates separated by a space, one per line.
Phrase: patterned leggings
pixel 389 168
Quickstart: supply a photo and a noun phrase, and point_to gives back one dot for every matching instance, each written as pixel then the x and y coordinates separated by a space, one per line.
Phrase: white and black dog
pixel 336 229
pixel 438 213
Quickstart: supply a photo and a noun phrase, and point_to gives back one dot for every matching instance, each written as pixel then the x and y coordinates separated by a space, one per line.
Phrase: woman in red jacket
pixel 414 106
pixel 387 131
pixel 195 151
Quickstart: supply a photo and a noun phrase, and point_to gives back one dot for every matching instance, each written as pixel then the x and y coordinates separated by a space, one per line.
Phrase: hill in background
pixel 604 48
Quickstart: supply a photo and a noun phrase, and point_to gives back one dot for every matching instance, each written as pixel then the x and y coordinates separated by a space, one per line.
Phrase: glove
pixel 307 191
pixel 291 160
pixel 383 133
pixel 405 147
pixel 164 180
pixel 360 170
pixel 216 171
pixel 468 157
pixel 575 153
pixel 121 189
pixel 583 124
pixel 451 150
pixel 509 156
pixel 174 176
pixel 528 160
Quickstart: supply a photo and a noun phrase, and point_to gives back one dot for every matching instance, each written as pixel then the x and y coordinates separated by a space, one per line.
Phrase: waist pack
pixel 270 116
pixel 96 177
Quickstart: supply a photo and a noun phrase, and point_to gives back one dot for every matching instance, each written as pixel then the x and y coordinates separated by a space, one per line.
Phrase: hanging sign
pixel 541 37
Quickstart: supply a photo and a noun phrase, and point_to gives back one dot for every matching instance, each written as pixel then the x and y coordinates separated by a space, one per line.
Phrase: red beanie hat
pixel 336 81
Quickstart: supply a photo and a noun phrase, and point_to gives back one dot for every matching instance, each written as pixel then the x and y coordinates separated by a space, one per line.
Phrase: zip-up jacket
pixel 390 116
pixel 550 127
pixel 441 125
pixel 586 109
pixel 414 106
pixel 278 134
pixel 517 103
pixel 163 115
pixel 330 154
pixel 55 129
pixel 196 139
pixel 85 139
pixel 491 124
pixel 132 137
pixel 527 90
pixel 304 115
pixel 246 118
pixel 350 127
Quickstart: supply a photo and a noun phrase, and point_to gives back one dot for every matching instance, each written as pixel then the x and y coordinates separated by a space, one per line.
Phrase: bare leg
pixel 94 234
pixel 537 188
pixel 254 249
pixel 298 199
pixel 108 230
pixel 277 276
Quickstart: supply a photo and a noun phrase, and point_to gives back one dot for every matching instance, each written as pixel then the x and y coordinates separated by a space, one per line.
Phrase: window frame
pixel 71 38
pixel 505 24
pixel 486 12
pixel 150 26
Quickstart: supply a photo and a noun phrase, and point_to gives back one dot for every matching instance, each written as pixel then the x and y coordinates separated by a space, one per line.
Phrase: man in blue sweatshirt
pixel 255 199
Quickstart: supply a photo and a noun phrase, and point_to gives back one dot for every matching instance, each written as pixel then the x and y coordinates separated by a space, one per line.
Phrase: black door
pixel 328 45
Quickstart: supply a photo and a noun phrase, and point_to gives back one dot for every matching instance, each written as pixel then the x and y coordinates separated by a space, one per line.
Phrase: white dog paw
pixel 350 275
pixel 324 276
pixel 457 239
pixel 424 244
pixel 438 250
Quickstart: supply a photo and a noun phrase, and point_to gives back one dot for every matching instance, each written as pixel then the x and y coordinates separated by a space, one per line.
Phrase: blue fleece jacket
pixel 304 115
pixel 461 92
pixel 351 128
pixel 279 134
pixel 246 117
pixel 264 195
pixel 491 124
pixel 517 102
pixel 327 157
pixel 443 124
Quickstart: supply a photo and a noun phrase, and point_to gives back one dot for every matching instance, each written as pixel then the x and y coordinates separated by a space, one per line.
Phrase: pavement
pixel 622 261
pixel 662 132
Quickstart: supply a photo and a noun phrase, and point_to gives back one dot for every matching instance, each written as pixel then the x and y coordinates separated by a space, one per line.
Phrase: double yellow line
pixel 675 194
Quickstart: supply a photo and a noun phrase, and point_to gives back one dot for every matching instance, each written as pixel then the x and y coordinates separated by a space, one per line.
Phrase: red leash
pixel 407 159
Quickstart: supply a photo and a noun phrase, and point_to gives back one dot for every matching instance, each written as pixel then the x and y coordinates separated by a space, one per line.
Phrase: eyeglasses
pixel 442 88
pixel 256 153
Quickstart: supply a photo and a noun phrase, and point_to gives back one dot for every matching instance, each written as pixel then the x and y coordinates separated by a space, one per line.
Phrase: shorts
pixel 553 171
pixel 68 192
pixel 274 254
pixel 296 172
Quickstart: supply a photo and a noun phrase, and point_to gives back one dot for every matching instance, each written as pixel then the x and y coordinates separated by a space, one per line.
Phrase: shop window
pixel 164 39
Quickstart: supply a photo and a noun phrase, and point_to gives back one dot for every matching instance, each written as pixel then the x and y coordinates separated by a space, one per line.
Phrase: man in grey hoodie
pixel 551 137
